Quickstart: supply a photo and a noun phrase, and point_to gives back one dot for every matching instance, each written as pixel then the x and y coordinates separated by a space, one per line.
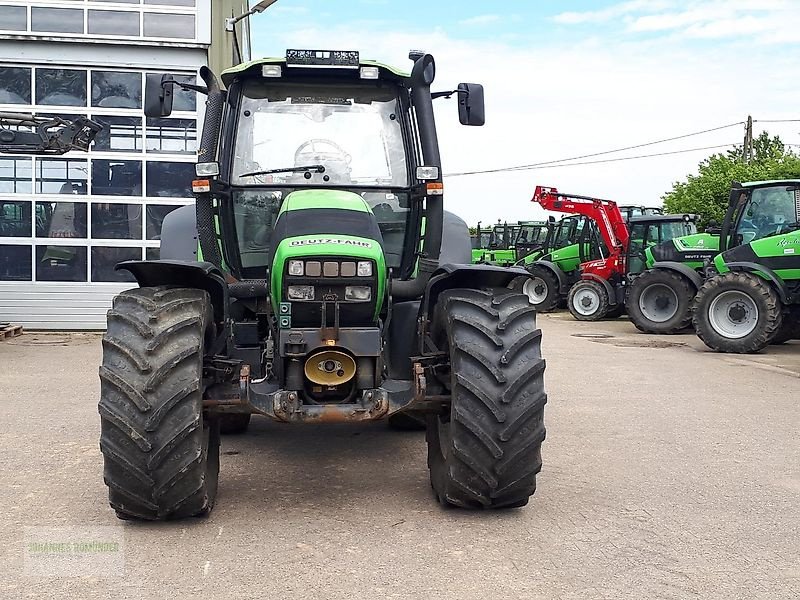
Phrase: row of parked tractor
pixel 737 283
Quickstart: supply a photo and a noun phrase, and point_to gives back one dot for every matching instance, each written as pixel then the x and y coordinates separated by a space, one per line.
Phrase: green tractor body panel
pixel 567 258
pixel 691 250
pixel 779 253
pixel 318 206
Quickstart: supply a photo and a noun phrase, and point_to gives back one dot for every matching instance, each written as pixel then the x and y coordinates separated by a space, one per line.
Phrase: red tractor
pixel 611 252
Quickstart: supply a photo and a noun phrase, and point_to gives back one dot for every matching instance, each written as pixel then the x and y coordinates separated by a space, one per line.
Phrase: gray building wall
pixel 65 221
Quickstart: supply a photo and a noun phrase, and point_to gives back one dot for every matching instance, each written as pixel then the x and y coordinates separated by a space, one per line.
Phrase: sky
pixel 567 78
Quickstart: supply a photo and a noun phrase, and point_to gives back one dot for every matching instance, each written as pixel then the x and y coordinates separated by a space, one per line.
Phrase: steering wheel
pixel 345 157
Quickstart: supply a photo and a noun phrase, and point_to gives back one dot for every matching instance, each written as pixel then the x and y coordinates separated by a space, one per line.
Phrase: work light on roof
pixel 323 59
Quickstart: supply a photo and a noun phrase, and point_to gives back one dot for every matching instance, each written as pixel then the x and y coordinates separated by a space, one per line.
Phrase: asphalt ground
pixel 669 472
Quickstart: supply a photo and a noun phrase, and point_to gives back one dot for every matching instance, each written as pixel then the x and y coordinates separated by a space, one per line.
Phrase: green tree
pixel 706 193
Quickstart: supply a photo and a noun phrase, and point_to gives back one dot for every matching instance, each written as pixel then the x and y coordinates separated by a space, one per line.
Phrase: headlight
pixel 296 267
pixel 365 268
pixel 358 293
pixel 301 292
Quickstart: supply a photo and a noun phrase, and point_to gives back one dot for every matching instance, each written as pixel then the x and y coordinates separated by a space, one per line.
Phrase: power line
pixel 592 155
pixel 776 120
pixel 593 162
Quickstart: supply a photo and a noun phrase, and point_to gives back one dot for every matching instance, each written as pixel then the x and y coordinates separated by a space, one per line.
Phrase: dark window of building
pixel 15 263
pixel 170 179
pixel 57 20
pixel 155 219
pixel 152 253
pixel 120 134
pixel 13 18
pixel 15 85
pixel 15 218
pixel 117 221
pixel 61 263
pixel 16 176
pixel 115 89
pixel 163 25
pixel 61 219
pixel 61 176
pixel 176 136
pixel 116 177
pixel 63 87
pixel 113 22
pixel 105 258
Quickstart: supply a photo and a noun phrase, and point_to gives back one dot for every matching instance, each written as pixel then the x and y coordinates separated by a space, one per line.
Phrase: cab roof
pixel 771 182
pixel 254 66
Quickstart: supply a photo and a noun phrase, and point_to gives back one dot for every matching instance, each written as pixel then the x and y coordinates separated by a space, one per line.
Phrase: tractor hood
pixel 695 248
pixel 332 228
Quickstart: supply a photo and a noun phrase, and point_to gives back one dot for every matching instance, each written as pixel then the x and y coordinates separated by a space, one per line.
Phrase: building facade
pixel 66 221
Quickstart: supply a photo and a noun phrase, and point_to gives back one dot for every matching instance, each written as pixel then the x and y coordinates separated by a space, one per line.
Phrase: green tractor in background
pixel 496 244
pixel 662 297
pixel 330 286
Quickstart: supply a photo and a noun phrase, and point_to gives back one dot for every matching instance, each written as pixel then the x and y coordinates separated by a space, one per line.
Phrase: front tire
pixel 738 313
pixel 233 423
pixel 542 289
pixel 588 300
pixel 161 455
pixel 485 451
pixel 660 301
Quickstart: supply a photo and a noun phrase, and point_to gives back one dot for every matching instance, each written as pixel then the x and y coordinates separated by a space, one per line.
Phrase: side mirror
pixel 158 95
pixel 471 110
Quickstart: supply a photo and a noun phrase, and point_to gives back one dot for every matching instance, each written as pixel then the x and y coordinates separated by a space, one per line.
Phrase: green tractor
pixel 325 289
pixel 497 248
pixel 661 298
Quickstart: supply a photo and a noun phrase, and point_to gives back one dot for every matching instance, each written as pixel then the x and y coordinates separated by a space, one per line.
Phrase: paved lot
pixel 669 472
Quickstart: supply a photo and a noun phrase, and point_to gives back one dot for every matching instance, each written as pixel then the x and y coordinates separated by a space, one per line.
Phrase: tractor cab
pixel 651 230
pixel 531 237
pixel 761 209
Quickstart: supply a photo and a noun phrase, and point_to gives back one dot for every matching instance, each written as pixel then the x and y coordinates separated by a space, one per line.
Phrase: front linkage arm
pixel 28 134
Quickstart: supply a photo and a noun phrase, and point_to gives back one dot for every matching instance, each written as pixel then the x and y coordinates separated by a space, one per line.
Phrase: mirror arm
pixel 447 95
pixel 186 86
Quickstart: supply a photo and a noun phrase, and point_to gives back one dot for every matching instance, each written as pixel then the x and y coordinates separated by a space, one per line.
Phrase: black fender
pixel 450 276
pixel 681 269
pixel 561 277
pixel 179 234
pixel 190 274
pixel 612 295
pixel 766 273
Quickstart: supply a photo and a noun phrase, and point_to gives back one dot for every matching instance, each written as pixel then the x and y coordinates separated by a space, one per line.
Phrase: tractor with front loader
pixel 610 252
pixel 321 292
pixel 662 298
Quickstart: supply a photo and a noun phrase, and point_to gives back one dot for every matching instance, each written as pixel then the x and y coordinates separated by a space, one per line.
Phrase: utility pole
pixel 747 148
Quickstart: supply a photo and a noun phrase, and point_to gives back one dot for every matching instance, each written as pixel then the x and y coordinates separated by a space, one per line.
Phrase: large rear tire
pixel 588 301
pixel 485 451
pixel 660 301
pixel 542 289
pixel 737 312
pixel 161 456
pixel 790 330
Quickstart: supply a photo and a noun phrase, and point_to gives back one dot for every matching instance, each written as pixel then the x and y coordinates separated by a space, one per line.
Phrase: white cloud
pixel 550 101
pixel 611 12
pixel 480 20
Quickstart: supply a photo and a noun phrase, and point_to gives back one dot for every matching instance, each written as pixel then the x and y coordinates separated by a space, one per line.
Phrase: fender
pixel 199 275
pixel 450 276
pixel 688 272
pixel 612 295
pixel 563 282
pixel 765 273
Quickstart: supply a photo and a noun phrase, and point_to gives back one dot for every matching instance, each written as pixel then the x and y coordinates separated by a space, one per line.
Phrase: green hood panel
pixel 338 199
pixel 691 250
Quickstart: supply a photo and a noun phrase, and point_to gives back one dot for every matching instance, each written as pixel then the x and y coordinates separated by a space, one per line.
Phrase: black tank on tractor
pixel 329 286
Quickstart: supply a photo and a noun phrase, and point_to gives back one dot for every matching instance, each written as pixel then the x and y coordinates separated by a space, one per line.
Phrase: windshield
pixel 353 131
pixel 531 234
pixel 768 211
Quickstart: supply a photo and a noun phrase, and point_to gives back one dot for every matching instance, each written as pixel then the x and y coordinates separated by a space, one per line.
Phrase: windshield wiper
pixel 307 169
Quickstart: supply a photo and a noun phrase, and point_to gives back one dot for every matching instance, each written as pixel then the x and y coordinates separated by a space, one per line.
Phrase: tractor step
pixel 8 330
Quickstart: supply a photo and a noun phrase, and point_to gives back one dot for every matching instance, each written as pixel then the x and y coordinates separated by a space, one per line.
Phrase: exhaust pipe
pixel 206 228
